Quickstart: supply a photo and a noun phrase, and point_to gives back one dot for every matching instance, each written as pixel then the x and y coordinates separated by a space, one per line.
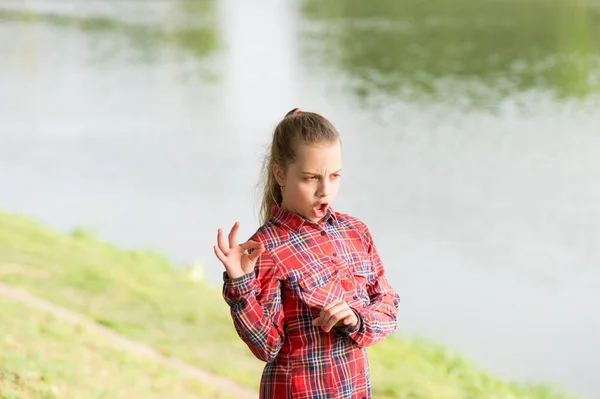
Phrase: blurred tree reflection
pixel 191 25
pixel 445 48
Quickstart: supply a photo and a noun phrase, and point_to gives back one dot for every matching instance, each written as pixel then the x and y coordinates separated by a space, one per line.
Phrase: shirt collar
pixel 294 221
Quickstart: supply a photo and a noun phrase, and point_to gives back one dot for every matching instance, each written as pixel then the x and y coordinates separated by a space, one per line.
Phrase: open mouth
pixel 320 210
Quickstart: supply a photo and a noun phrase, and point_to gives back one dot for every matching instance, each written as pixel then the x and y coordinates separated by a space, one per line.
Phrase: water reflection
pixel 142 34
pixel 457 51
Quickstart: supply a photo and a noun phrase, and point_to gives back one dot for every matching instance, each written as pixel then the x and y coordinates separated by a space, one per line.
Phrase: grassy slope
pixel 42 358
pixel 139 294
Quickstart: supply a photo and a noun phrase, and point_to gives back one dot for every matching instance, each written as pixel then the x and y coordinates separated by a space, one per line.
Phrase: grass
pixel 43 358
pixel 142 296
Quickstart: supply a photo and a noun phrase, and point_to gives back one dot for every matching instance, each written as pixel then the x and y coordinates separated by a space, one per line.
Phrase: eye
pixel 336 176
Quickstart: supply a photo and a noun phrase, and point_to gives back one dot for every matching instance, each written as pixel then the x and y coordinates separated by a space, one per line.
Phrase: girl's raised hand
pixel 236 259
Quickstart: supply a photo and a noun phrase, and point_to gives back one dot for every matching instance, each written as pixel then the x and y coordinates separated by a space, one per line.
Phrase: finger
pixel 346 314
pixel 333 313
pixel 349 319
pixel 332 304
pixel 233 235
pixel 250 244
pixel 256 253
pixel 323 313
pixel 220 254
pixel 335 319
pixel 316 322
pixel 327 307
pixel 221 242
pixel 327 310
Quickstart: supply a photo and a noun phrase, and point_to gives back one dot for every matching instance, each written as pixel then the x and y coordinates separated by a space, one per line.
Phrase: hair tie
pixel 293 111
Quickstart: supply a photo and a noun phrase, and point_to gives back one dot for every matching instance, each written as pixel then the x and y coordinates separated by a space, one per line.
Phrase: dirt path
pixel 127 344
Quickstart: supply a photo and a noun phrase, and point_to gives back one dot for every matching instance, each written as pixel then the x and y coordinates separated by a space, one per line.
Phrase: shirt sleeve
pixel 377 319
pixel 255 303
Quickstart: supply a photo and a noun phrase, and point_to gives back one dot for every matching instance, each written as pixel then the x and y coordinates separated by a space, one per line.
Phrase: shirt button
pixel 347 276
pixel 334 254
pixel 355 297
pixel 323 233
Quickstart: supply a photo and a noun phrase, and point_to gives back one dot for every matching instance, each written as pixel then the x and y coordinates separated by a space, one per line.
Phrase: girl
pixel 308 292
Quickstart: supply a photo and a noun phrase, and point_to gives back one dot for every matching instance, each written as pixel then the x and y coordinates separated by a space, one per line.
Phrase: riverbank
pixel 140 295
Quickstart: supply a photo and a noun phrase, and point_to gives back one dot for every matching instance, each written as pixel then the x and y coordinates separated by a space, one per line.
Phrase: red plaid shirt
pixel 306 266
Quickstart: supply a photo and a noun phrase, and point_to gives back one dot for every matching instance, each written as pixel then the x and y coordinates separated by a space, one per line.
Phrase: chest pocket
pixel 319 284
pixel 363 274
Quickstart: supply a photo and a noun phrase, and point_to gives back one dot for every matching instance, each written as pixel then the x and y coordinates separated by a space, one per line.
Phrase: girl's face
pixel 311 182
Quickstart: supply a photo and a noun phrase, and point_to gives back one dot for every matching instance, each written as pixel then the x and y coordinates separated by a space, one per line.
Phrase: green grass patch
pixel 42 357
pixel 140 295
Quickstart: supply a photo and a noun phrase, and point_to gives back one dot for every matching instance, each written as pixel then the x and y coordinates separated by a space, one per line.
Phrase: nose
pixel 324 187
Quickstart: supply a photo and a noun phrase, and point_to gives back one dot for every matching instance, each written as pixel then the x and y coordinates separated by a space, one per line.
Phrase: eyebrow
pixel 317 174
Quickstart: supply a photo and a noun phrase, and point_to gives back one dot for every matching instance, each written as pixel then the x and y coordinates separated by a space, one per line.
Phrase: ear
pixel 279 173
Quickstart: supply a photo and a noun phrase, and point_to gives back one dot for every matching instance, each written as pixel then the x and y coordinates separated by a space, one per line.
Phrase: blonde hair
pixel 297 127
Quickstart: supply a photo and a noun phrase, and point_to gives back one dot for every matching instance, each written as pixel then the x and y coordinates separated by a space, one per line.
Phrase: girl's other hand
pixel 335 314
pixel 236 258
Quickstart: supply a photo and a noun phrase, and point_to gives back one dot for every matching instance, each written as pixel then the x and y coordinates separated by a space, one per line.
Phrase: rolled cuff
pixel 235 288
pixel 353 330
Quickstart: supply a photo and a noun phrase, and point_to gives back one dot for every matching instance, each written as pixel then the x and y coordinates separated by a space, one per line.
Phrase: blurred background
pixel 471 132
